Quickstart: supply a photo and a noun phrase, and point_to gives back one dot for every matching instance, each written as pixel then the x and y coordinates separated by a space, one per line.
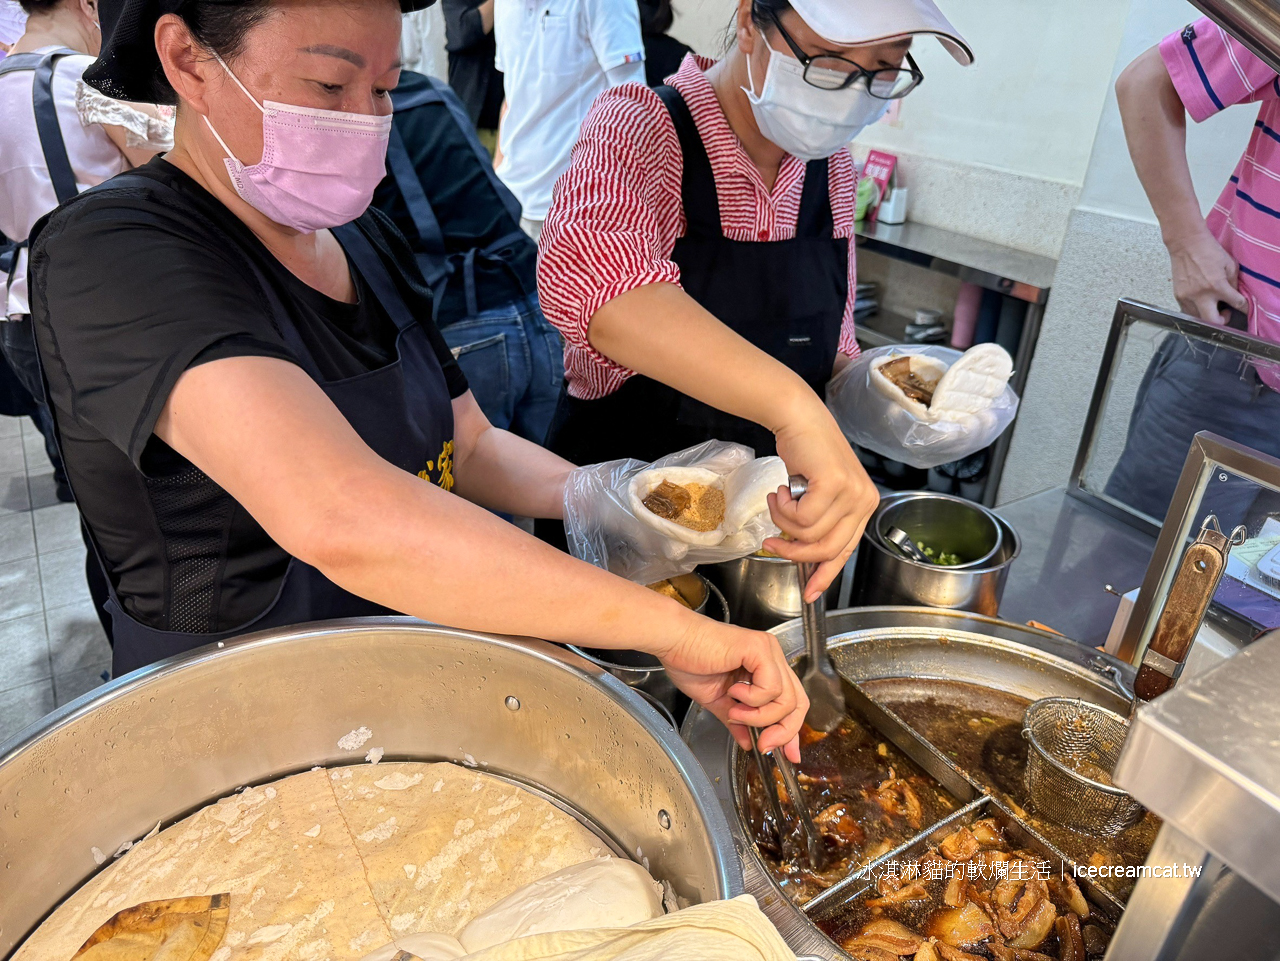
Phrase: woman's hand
pixel 742 678
pixel 823 526
pixel 1204 275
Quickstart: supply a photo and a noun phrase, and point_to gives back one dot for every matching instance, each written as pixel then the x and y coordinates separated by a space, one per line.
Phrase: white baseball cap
pixel 852 22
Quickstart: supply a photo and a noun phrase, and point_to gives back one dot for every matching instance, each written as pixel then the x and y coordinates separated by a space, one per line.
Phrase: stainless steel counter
pixel 1017 273
pixel 1070 553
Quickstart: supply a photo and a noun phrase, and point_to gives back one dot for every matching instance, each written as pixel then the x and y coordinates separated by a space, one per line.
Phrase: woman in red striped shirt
pixel 697 255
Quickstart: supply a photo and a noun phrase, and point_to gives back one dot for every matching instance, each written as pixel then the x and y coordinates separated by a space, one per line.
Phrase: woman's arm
pixel 660 331
pixel 265 432
pixel 498 470
pixel 1155 126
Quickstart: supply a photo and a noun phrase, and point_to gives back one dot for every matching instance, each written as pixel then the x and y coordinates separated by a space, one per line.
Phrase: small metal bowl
pixel 1063 732
pixel 944 523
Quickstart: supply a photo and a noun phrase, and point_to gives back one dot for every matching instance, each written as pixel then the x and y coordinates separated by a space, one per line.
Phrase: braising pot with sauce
pixel 912 661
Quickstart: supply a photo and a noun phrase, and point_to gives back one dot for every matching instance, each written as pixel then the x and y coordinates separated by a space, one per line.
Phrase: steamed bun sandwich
pixel 700 507
pixel 930 390
pixel 393 862
pixel 925 406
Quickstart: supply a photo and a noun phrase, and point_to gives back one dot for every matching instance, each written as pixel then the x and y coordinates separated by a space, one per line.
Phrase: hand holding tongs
pixel 827 709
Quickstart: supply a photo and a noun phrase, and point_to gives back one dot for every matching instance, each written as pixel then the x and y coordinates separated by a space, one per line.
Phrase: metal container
pixel 762 591
pixel 882 576
pixel 944 523
pixel 164 741
pixel 890 642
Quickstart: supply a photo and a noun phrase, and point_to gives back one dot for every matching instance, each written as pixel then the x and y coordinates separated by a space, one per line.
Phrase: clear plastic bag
pixel 608 525
pixel 972 404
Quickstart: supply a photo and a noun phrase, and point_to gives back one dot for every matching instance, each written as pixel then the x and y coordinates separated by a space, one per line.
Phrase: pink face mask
pixel 319 168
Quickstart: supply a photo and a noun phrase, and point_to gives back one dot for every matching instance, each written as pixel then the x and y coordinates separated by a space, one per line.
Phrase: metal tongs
pixel 827 709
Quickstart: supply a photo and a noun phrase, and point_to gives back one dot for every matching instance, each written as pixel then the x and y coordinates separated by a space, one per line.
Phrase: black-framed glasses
pixel 827 72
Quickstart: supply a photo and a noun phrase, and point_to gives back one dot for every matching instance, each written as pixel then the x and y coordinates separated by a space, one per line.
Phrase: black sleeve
pixel 126 294
pixel 463 28
pixel 398 255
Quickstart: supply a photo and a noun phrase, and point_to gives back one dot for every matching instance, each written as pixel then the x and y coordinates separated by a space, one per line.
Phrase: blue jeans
pixel 17 340
pixel 514 362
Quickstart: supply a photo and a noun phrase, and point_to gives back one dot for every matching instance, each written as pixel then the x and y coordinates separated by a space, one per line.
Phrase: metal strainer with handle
pixel 1074 745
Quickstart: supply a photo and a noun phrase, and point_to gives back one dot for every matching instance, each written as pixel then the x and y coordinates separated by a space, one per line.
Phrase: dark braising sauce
pixel 980 730
pixel 866 796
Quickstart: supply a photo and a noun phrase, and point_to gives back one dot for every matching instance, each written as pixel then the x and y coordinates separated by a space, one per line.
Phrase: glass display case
pixel 1184 423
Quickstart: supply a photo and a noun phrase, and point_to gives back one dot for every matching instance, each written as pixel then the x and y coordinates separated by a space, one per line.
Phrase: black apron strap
pixel 698 183
pixel 51 142
pixel 376 276
pixel 816 219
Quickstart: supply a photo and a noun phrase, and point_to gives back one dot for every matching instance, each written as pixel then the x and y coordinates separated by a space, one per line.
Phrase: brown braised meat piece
pixel 668 500
pixel 965 927
pixel 889 936
pixel 837 822
pixel 959 846
pixel 988 833
pixel 1070 939
pixel 915 891
pixel 896 798
pixel 1023 908
pixel 956 893
pixel 949 953
pixel 1066 891
pixel 901 376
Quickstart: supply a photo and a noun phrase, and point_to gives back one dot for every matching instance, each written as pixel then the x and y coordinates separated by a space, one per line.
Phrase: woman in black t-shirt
pixel 260 423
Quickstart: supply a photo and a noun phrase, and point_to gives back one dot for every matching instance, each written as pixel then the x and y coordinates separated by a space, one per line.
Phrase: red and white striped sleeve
pixel 615 216
pixel 844 207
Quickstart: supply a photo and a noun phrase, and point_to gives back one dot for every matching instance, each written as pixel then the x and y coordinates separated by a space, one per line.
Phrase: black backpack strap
pixel 20 61
pixel 698 183
pixel 463 120
pixel 433 258
pixel 51 142
pixel 816 219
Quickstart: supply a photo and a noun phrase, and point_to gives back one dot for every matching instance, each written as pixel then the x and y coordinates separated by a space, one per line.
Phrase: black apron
pixel 402 411
pixel 787 297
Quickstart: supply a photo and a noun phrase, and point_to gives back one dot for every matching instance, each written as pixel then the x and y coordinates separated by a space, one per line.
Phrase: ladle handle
pixel 814 617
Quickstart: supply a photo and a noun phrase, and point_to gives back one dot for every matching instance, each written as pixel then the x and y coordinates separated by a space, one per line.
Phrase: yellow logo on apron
pixel 444 473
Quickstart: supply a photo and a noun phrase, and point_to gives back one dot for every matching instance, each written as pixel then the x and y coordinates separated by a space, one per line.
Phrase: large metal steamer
pixel 163 742
pixel 923 645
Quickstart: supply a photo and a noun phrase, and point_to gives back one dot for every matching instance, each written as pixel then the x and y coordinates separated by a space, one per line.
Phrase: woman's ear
pixel 185 62
pixel 746 28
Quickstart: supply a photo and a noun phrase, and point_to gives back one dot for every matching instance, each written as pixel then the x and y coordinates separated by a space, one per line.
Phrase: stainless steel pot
pixel 882 576
pixel 164 741
pixel 943 523
pixel 762 592
pixel 911 642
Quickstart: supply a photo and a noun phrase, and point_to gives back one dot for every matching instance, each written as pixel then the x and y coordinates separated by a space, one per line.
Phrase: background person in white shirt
pixel 556 57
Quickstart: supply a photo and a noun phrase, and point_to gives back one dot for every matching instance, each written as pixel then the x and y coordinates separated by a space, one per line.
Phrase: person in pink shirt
pixel 1226 267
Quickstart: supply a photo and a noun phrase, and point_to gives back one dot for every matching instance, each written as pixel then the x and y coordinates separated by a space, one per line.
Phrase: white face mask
pixel 805 121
